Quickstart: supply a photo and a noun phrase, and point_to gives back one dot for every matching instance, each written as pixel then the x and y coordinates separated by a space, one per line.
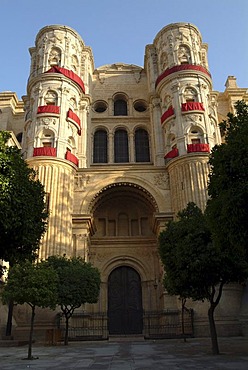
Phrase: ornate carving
pixel 80 182
pixel 54 57
pixel 47 121
pixel 155 102
pixel 56 37
pixel 193 118
pixel 183 54
pixel 137 76
pixel 161 180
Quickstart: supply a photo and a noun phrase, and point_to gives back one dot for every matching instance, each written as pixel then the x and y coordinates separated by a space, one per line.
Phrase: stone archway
pixel 125 313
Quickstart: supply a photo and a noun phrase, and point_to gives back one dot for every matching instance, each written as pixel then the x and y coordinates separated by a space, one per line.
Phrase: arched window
pixel 51 98
pixel 195 135
pixel 121 146
pixel 123 224
pixel 100 153
pixel 142 152
pixel 190 95
pixel 73 104
pixel 120 107
pixel 54 57
pixel 74 63
pixel 46 138
pixel 71 144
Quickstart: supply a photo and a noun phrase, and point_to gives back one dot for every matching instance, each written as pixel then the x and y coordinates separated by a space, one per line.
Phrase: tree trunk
pixel 9 320
pixel 31 334
pixel 66 330
pixel 183 321
pixel 213 333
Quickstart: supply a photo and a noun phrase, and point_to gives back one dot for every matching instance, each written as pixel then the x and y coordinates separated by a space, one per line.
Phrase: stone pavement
pixel 170 354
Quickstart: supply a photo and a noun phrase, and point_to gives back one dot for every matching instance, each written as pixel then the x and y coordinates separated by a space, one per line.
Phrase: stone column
pixel 158 145
pixel 131 148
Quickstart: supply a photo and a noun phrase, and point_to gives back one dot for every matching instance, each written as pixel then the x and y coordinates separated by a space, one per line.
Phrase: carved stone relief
pixel 80 182
pixel 47 121
pixel 161 180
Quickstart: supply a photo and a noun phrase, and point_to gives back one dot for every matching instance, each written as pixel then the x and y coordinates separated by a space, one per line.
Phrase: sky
pixel 118 31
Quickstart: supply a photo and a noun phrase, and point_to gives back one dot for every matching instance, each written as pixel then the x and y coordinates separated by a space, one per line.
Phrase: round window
pixel 100 106
pixel 140 105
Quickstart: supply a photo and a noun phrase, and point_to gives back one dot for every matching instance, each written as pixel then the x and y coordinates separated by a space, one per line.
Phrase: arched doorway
pixel 125 313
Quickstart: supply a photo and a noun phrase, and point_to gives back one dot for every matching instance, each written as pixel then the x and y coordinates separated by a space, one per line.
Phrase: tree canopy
pixel 79 283
pixel 191 263
pixel 194 266
pixel 34 284
pixel 22 205
pixel 227 208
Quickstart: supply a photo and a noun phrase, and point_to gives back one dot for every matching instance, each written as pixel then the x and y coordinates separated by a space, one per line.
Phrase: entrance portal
pixel 125 302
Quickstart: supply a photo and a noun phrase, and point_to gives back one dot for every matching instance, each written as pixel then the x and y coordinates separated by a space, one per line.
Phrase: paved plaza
pixel 130 355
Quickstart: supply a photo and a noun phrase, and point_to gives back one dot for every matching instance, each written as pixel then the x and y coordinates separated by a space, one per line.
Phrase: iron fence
pixel 156 324
pixel 168 324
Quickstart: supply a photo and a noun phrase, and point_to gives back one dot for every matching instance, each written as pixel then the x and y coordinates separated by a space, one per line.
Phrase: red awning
pixel 181 67
pixel 168 113
pixel 71 115
pixel 70 74
pixel 71 157
pixel 48 109
pixel 45 151
pixel 199 147
pixel 193 105
pixel 172 154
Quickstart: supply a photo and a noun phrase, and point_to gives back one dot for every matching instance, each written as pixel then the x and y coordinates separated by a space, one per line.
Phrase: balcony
pixel 48 109
pixel 167 114
pixel 45 151
pixel 192 106
pixel 71 116
pixel 71 157
pixel 199 147
pixel 172 154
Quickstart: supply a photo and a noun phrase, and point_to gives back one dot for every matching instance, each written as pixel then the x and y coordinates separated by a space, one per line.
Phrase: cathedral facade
pixel 120 149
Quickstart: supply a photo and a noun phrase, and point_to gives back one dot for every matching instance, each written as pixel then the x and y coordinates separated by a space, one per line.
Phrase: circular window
pixel 140 105
pixel 100 106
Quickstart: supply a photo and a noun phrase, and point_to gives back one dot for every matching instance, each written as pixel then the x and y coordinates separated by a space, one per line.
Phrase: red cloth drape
pixel 75 118
pixel 44 151
pixel 71 157
pixel 172 154
pixel 48 109
pixel 199 147
pixel 70 74
pixel 193 105
pixel 168 113
pixel 181 67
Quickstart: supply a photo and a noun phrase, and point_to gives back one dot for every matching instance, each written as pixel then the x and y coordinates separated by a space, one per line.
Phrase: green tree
pixel 34 284
pixel 22 205
pixel 194 266
pixel 22 209
pixel 79 283
pixel 227 208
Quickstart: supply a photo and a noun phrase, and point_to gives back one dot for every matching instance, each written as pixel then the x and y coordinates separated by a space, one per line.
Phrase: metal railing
pixel 168 324
pixel 85 326
pixel 156 324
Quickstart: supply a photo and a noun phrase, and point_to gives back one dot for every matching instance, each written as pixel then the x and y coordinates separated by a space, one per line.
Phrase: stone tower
pixel 178 66
pixel 55 135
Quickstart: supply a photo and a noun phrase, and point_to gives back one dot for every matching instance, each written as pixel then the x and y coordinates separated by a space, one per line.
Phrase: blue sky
pixel 118 31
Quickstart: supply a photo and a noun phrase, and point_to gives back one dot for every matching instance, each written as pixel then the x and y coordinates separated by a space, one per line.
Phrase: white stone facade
pixel 120 150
